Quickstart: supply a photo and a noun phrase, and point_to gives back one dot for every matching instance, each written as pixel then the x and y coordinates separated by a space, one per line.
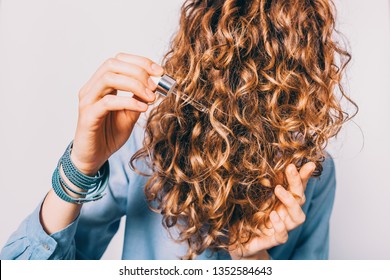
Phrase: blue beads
pixel 93 187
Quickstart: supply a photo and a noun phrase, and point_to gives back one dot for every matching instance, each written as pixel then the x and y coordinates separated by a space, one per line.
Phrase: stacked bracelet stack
pixel 92 187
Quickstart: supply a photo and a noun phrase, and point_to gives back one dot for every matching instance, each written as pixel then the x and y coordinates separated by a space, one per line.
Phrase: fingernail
pixel 150 94
pixel 157 68
pixel 151 83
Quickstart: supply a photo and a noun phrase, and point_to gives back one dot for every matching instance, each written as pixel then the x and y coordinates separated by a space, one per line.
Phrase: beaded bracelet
pixel 92 187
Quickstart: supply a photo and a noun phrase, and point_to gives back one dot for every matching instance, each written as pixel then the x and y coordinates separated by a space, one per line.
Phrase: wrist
pixel 86 169
pixel 92 187
pixel 71 185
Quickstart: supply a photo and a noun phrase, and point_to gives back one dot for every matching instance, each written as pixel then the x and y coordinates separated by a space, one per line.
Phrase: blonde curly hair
pixel 268 71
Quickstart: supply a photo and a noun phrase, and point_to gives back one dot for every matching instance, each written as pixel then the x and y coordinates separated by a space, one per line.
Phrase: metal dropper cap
pixel 165 84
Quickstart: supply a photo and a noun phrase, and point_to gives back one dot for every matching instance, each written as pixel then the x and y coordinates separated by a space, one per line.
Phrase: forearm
pixel 56 214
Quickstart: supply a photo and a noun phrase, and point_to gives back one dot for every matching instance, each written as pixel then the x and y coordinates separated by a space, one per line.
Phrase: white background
pixel 49 49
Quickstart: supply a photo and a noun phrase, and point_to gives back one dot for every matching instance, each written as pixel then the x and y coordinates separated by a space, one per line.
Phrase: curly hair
pixel 270 73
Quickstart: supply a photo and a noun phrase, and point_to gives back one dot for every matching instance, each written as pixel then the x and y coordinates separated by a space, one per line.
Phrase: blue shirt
pixel 145 237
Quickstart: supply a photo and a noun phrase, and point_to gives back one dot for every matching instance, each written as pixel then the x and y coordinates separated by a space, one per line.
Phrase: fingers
pixel 295 184
pixel 115 103
pixel 306 172
pixel 280 234
pixel 283 213
pixel 297 181
pixel 294 210
pixel 112 81
pixel 289 215
pixel 124 72
pixel 151 67
pixel 132 70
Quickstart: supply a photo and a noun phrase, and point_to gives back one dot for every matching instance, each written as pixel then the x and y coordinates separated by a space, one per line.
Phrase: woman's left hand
pixel 283 219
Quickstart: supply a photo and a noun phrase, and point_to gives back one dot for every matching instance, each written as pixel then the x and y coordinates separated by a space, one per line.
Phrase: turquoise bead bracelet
pixel 93 187
pixel 75 176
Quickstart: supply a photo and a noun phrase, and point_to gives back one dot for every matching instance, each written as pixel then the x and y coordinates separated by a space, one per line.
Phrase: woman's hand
pixel 105 123
pixel 282 220
pixel 106 120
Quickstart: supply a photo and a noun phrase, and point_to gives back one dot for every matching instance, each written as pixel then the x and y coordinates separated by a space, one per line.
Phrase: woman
pixel 229 182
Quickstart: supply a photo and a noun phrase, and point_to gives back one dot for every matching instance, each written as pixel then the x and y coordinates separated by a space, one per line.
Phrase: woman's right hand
pixel 106 120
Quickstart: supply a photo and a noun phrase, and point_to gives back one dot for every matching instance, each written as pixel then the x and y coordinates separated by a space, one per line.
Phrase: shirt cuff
pixel 54 246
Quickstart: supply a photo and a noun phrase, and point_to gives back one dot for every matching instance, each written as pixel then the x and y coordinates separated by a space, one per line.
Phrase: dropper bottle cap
pixel 165 84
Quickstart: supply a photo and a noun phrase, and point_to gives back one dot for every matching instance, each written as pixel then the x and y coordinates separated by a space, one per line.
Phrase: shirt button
pixel 45 246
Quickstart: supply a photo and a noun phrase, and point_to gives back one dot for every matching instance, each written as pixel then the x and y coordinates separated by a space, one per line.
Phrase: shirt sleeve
pixel 313 242
pixel 30 241
pixel 88 236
